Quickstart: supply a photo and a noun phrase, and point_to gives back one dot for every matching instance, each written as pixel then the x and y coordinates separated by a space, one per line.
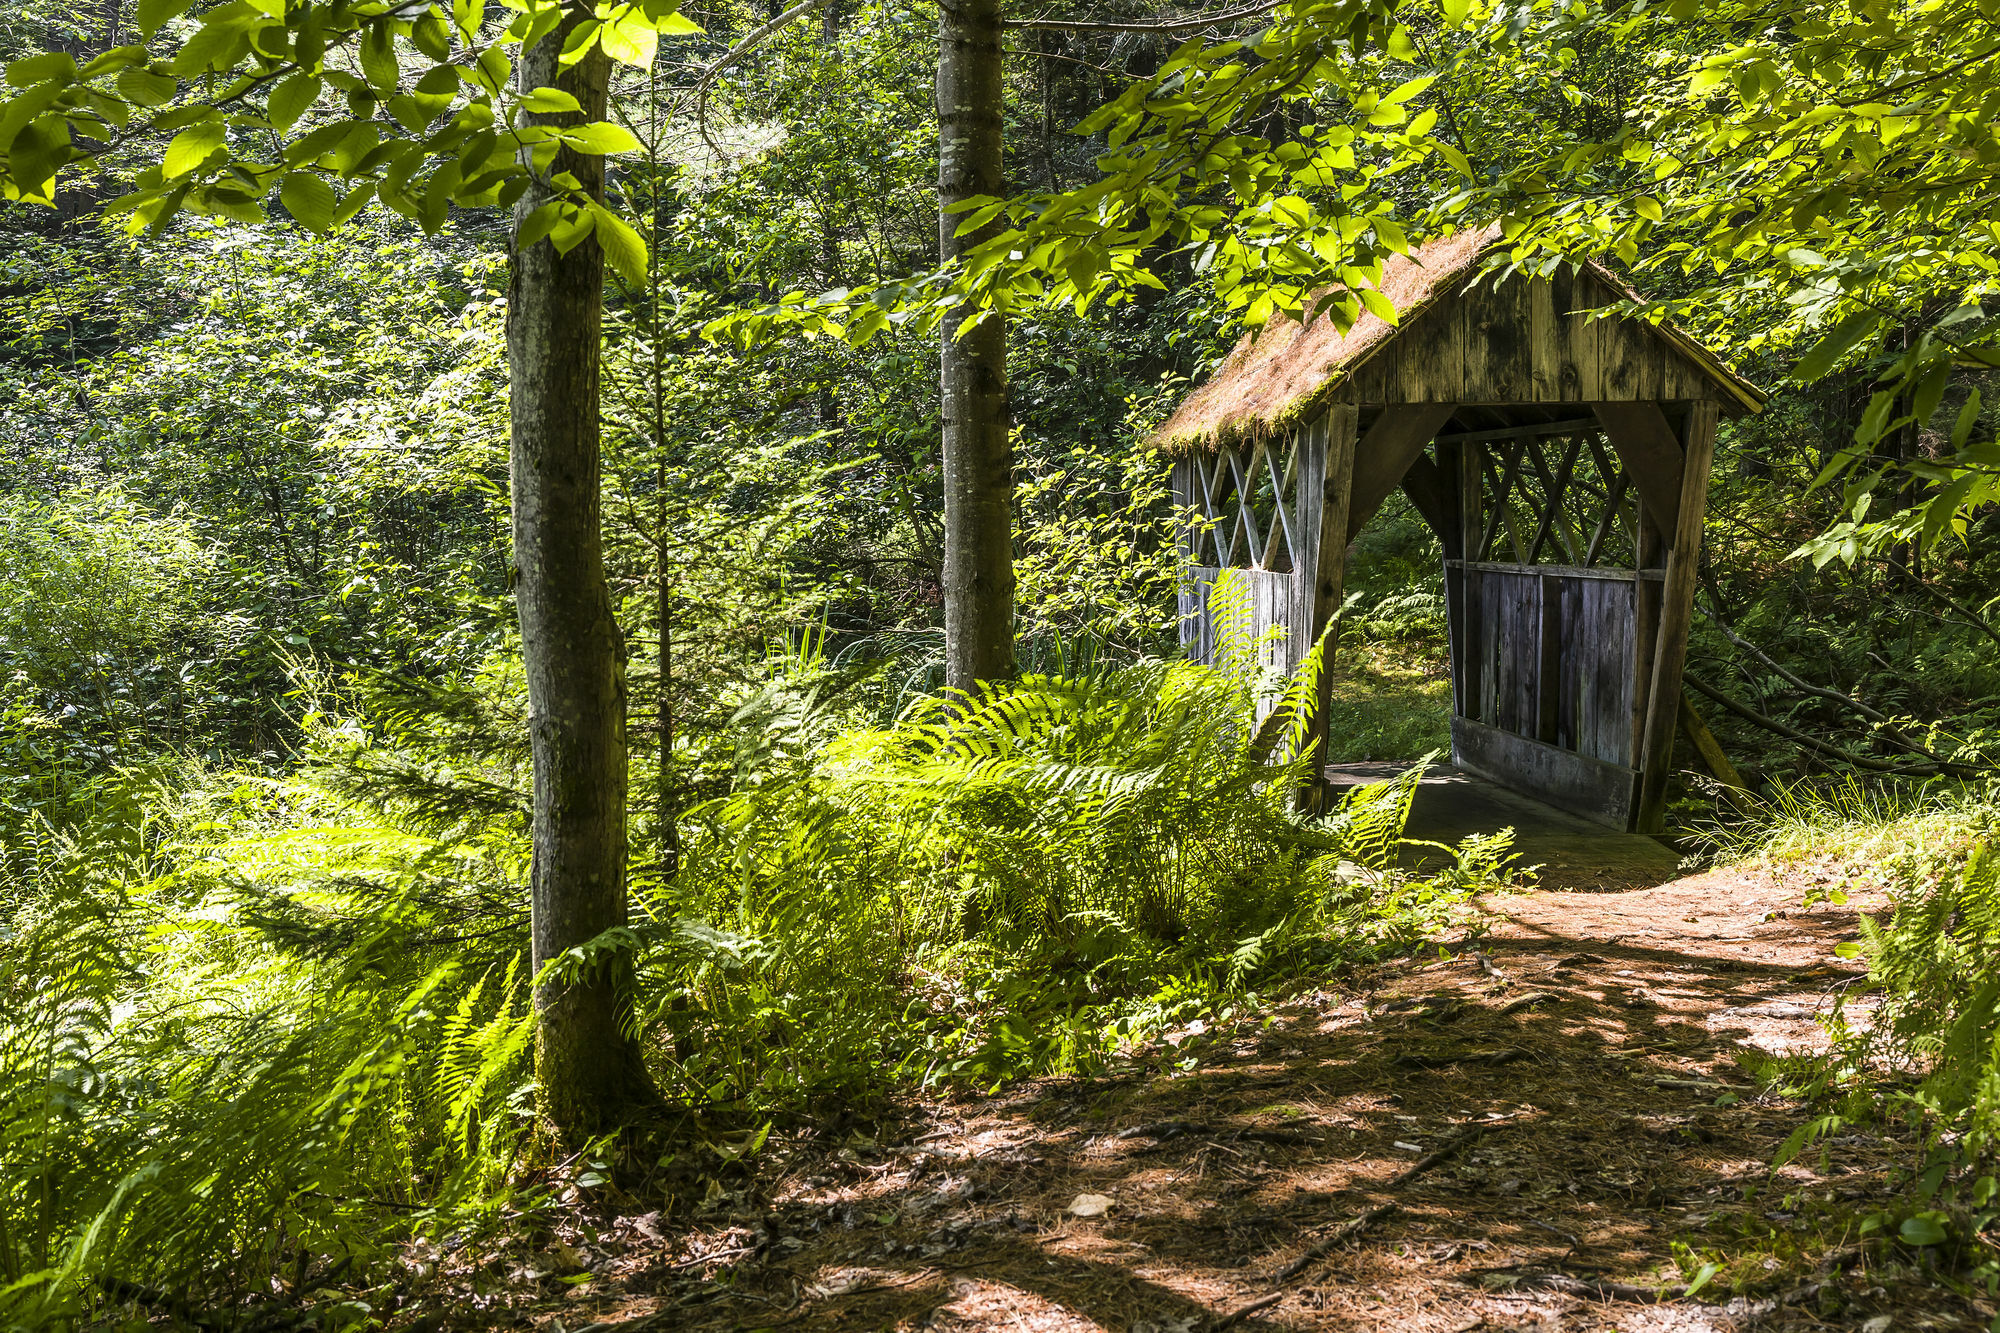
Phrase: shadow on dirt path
pixel 1547 1132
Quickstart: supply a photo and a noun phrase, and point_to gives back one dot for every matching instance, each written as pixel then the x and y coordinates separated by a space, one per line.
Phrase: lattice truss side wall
pixel 1255 511
pixel 1562 499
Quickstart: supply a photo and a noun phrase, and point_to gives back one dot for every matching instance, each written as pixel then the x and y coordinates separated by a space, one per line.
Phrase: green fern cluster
pixel 1001 880
pixel 1936 964
pixel 305 1040
pixel 276 1026
pixel 1927 1051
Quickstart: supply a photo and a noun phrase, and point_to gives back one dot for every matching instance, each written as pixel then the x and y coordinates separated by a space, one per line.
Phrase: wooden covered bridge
pixel 1563 462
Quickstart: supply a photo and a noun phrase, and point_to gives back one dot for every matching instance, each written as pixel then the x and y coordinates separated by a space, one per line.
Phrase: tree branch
pixel 1972 618
pixel 1771 724
pixel 1889 730
pixel 755 38
pixel 1051 55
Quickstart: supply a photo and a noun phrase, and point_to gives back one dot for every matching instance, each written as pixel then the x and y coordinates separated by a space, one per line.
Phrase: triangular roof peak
pixel 1518 341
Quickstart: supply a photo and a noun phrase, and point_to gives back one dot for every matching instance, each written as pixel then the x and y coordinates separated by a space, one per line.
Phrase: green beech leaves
pixel 1270 221
pixel 192 147
pixel 1823 173
pixel 1834 347
pixel 309 199
pixel 430 121
pixel 600 138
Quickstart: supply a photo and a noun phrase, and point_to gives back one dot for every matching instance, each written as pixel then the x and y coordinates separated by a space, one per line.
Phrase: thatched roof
pixel 1288 372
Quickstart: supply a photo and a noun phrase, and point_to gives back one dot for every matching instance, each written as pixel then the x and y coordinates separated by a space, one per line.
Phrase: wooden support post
pixel 1465 647
pixel 1330 578
pixel 1433 489
pixel 1676 615
pixel 1191 599
pixel 1651 555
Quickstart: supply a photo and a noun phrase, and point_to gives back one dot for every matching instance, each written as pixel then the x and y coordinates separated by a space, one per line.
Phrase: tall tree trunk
pixel 978 459
pixel 589 1069
pixel 667 796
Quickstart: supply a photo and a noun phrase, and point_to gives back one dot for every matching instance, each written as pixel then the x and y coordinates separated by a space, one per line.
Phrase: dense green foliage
pixel 263 764
pixel 1917 1047
pixel 280 1024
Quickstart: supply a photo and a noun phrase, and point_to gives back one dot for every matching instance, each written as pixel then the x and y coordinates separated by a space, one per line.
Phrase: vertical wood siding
pixel 1527 340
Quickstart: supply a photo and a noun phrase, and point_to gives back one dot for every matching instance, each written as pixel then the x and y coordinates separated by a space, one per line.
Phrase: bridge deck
pixel 1572 852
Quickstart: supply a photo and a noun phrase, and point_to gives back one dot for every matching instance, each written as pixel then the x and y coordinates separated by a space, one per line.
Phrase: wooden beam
pixel 1606 573
pixel 1433 490
pixel 1710 749
pixel 1537 428
pixel 1676 615
pixel 1555 485
pixel 1385 453
pixel 1433 494
pixel 1649 554
pixel 1653 458
pixel 1503 511
pixel 1465 644
pixel 1330 577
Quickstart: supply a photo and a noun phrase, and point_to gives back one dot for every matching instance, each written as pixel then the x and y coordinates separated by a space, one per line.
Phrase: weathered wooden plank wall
pixel 1526 340
pixel 1550 656
pixel 1594 672
pixel 1506 645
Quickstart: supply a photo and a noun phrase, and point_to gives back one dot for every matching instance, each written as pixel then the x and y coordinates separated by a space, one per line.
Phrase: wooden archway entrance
pixel 1563 464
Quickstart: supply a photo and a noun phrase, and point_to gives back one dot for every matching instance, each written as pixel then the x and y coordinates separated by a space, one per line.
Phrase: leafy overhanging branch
pixel 458 133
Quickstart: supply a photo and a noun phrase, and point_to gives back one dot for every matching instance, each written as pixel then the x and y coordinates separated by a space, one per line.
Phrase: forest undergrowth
pixel 260 1029
pixel 1912 1047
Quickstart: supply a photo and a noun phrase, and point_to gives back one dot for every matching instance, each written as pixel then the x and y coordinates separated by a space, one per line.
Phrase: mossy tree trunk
pixel 591 1075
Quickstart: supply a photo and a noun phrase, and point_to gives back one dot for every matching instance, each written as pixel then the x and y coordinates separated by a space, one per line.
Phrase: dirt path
pixel 1520 1137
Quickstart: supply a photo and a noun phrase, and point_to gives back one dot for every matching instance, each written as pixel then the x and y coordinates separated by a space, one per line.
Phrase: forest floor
pixel 1549 1130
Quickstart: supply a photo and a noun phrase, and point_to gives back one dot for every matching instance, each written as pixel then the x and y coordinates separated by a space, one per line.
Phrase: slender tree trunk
pixel 668 797
pixel 589 1069
pixel 978 458
pixel 667 791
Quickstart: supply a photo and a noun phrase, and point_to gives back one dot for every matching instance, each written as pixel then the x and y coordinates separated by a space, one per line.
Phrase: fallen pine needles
pixel 1499 1056
pixel 1444 1152
pixel 1242 1312
pixel 1605 1289
pixel 1346 1231
pixel 1165 1130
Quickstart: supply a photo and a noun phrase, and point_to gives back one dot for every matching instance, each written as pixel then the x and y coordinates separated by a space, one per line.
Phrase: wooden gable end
pixel 1526 340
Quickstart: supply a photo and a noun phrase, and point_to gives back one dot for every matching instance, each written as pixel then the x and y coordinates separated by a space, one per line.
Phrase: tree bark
pixel 589 1069
pixel 978 456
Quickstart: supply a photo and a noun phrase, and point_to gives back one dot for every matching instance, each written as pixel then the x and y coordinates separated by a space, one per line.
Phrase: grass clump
pixel 1392 699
